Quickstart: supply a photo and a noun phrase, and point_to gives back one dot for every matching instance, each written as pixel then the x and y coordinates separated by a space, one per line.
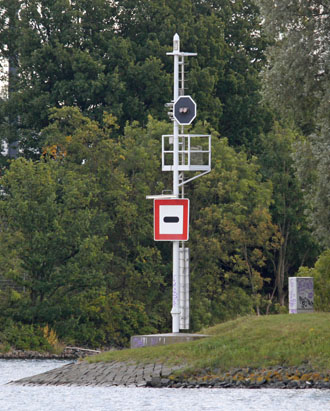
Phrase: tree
pixel 74 230
pixel 107 56
pixel 296 77
pixel 77 233
pixel 312 163
pixel 321 274
pixel 125 170
pixel 231 235
pixel 58 47
pixel 228 37
pixel 296 83
pixel 296 245
pixel 51 240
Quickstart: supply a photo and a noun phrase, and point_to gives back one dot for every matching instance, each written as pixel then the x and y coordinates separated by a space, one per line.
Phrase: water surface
pixel 64 398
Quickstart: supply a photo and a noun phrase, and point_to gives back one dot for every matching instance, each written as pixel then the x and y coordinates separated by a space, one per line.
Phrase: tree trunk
pixel 251 278
pixel 280 269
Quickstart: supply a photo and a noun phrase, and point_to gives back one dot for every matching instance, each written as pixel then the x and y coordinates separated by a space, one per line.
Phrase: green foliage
pixel 48 213
pixel 312 164
pixel 87 86
pixel 296 84
pixel 23 336
pixel 296 81
pixel 231 234
pixel 107 56
pixel 230 56
pixel 78 230
pixel 296 245
pixel 321 274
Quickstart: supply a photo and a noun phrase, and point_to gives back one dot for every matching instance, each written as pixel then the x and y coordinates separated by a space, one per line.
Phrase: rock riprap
pixel 275 377
pixel 105 374
pixel 160 375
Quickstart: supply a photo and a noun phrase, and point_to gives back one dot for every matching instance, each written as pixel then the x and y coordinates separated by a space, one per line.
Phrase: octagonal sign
pixel 184 110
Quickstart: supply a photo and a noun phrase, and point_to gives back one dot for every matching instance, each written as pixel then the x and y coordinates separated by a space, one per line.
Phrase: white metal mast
pixel 176 274
pixel 176 244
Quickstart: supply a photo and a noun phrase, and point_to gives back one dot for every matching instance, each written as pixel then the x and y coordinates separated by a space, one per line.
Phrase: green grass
pixel 256 342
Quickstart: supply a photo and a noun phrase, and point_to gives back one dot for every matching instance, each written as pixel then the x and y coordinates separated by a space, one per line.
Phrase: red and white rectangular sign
pixel 171 219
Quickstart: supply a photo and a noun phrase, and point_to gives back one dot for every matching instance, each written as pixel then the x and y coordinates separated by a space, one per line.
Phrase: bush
pixel 321 275
pixel 23 337
pixel 231 303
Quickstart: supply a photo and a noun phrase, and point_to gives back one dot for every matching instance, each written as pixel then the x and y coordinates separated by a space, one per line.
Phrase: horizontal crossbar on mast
pixel 161 197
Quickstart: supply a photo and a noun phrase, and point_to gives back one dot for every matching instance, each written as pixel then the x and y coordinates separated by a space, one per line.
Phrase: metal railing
pixel 194 152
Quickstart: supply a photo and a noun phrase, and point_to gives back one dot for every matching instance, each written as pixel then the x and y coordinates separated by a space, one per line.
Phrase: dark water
pixel 40 398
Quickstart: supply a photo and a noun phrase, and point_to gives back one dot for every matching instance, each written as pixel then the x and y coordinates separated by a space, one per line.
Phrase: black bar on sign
pixel 171 219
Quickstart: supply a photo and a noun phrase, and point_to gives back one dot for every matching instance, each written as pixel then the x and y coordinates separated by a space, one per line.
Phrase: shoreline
pixel 291 352
pixel 157 375
pixel 69 353
pixel 255 378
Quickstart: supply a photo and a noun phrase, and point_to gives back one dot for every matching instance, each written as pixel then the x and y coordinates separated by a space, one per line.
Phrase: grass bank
pixel 254 342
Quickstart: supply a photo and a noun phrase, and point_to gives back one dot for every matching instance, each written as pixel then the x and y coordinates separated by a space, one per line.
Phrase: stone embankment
pixel 159 375
pixel 69 353
pixel 103 374
pixel 276 377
